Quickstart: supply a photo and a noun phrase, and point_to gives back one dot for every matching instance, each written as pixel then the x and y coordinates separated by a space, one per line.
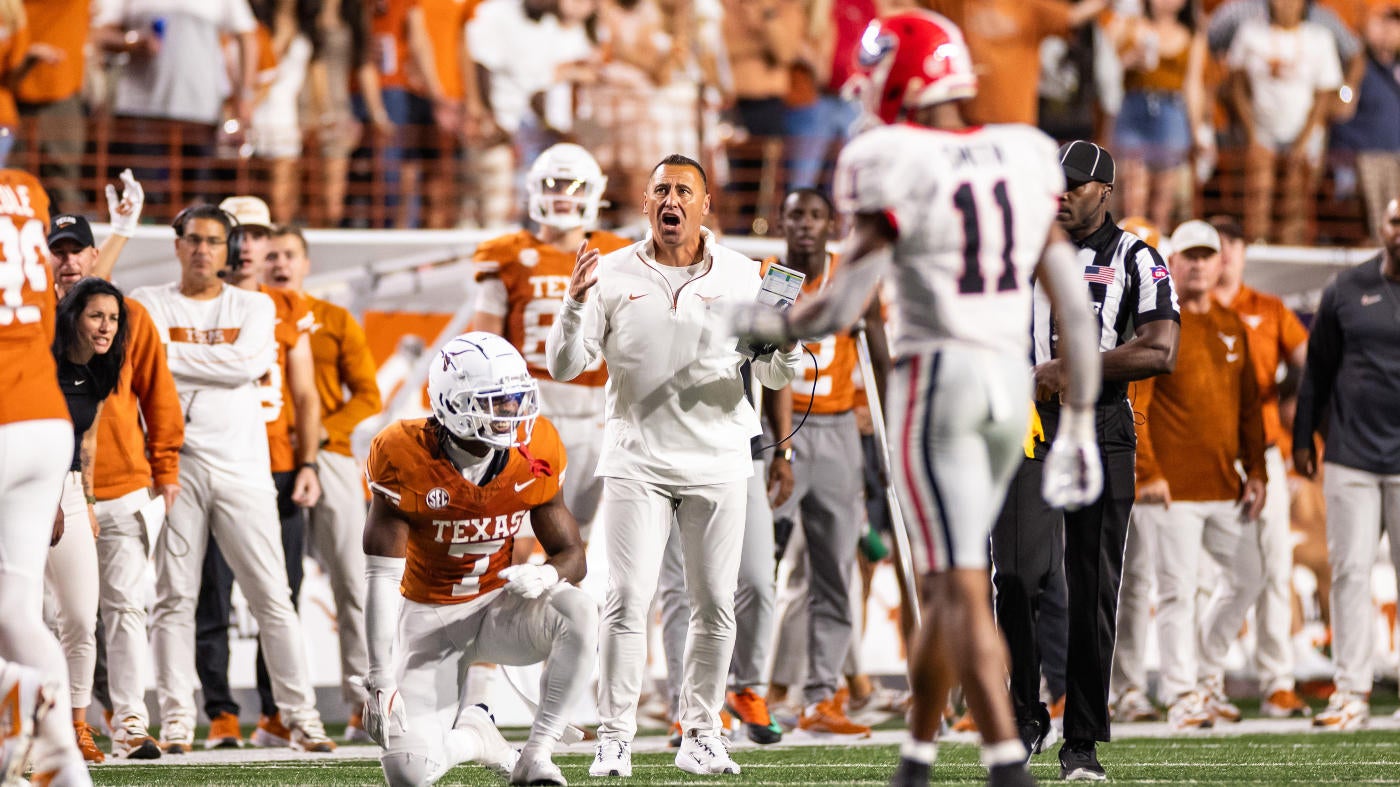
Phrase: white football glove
pixel 530 580
pixel 758 324
pixel 125 213
pixel 1073 474
pixel 384 710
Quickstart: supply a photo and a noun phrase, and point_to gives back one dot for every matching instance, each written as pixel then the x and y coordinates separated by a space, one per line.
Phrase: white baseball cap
pixel 1195 234
pixel 250 211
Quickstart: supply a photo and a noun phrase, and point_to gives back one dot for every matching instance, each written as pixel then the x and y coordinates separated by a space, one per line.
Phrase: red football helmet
pixel 912 59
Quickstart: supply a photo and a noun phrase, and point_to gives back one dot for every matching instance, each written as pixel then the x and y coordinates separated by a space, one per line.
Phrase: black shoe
pixel 910 774
pixel 1009 776
pixel 1034 730
pixel 1079 762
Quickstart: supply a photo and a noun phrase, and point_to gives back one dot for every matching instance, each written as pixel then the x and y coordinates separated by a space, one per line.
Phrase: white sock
pixel 1007 752
pixel 481 683
pixel 919 751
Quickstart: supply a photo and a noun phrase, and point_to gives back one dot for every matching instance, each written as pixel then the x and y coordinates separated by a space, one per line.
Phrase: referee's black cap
pixel 1083 162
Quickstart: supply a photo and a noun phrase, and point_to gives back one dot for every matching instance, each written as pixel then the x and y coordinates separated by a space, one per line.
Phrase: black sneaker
pixel 910 774
pixel 1079 762
pixel 1033 730
pixel 1009 776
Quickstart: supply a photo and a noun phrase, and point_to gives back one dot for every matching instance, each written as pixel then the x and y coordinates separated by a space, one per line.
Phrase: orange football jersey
pixel 536 277
pixel 293 320
pixel 460 534
pixel 830 388
pixel 28 375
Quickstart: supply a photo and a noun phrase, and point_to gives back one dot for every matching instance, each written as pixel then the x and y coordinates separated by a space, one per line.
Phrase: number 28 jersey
pixel 28 376
pixel 972 209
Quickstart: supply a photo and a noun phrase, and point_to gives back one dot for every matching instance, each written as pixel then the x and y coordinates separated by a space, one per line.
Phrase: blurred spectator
pixel 528 98
pixel 1370 139
pixel 616 117
pixel 834 30
pixel 1225 22
pixel 1283 73
pixel 285 28
pixel 341 55
pixel 1163 106
pixel 764 40
pixel 1201 420
pixel 1349 390
pixel 1005 37
pixel 175 82
pixel 401 112
pixel 51 92
pixel 446 22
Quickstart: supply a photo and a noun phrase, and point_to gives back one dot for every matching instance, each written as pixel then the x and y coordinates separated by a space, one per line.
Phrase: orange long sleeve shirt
pixel 343 362
pixel 128 457
pixel 1274 332
pixel 1205 415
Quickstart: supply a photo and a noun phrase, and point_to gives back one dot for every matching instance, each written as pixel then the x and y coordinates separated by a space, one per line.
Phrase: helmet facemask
pixel 501 416
pixel 565 202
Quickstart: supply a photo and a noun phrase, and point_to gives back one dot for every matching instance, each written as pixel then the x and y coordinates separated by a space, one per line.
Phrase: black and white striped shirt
pixel 1129 286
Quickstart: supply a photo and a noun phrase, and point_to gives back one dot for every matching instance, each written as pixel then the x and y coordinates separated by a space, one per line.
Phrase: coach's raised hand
pixel 585 273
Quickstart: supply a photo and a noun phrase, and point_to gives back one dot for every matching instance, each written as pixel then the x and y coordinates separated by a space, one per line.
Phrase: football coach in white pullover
pixel 676 444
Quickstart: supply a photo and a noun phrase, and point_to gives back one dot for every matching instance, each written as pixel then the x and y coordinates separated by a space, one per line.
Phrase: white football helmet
pixel 480 389
pixel 565 176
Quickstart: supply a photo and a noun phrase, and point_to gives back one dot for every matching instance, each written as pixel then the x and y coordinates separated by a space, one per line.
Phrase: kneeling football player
pixel 449 493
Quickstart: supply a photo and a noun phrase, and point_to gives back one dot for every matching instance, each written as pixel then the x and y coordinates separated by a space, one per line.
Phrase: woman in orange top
pixel 1164 57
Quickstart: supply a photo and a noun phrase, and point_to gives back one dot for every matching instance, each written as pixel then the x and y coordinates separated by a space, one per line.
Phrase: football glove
pixel 759 324
pixel 530 580
pixel 384 710
pixel 1073 473
pixel 125 213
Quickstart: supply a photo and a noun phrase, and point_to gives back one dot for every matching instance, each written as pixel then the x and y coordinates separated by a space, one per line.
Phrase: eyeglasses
pixel 195 241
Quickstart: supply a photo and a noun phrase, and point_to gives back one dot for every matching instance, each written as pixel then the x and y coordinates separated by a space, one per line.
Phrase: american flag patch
pixel 1103 274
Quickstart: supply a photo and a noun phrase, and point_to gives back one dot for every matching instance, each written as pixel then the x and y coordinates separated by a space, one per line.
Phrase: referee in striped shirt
pixel 1132 294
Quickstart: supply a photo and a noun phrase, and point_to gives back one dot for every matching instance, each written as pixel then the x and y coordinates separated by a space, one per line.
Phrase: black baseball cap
pixel 1084 162
pixel 70 227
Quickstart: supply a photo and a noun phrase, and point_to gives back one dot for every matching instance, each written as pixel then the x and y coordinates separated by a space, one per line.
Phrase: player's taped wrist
pixel 382 602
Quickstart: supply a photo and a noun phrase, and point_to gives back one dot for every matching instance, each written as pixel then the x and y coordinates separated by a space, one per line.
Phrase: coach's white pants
pixel 335 534
pixel 1262 581
pixel 1359 504
pixel 1183 535
pixel 583 441
pixel 70 576
pixel 34 455
pixel 243 517
pixel 638 517
pixel 121 553
pixel 1134 608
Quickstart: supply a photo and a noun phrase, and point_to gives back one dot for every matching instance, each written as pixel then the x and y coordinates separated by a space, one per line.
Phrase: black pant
pixel 1030 540
pixel 211 616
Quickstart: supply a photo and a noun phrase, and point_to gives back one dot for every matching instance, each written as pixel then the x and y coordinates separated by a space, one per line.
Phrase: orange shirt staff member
pixel 1201 419
pixel 342 363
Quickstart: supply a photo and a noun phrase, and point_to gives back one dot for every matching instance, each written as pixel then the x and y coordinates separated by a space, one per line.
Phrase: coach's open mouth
pixel 670 219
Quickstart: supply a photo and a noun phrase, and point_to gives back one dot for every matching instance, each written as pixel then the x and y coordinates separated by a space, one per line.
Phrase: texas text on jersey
pixel 957 199
pixel 460 534
pixel 536 278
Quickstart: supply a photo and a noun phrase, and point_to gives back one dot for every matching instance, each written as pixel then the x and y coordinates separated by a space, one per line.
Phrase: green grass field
pixel 1371 757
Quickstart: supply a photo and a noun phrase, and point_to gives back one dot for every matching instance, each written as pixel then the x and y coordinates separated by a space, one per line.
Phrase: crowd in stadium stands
pixel 430 113
pixel 424 113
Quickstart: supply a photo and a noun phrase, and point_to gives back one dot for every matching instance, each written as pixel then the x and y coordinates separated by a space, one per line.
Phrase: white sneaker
pixel 26 700
pixel 1218 705
pixel 1133 705
pixel 176 738
pixel 496 752
pixel 704 755
pixel 1344 711
pixel 309 735
pixel 131 740
pixel 1189 713
pixel 612 758
pixel 535 766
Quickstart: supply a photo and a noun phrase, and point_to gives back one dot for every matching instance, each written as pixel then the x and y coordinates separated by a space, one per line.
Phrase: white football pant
pixel 1134 608
pixel 122 551
pixel 334 532
pixel 34 455
pixel 70 577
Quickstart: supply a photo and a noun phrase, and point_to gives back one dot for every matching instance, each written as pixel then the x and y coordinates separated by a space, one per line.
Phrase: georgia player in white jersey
pixel 955 220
